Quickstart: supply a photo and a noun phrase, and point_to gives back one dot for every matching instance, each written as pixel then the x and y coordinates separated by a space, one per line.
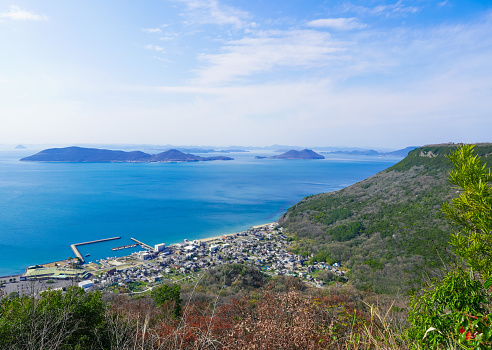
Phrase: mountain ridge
pixel 387 228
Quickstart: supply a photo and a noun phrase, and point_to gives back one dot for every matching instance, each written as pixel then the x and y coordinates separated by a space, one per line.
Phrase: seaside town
pixel 265 246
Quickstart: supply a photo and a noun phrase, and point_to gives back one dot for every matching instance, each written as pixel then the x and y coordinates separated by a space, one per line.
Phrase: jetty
pixel 76 251
pixel 145 246
pixel 125 246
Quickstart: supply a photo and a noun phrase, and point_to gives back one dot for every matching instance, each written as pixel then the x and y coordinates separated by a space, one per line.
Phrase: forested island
pixel 81 154
pixel 294 154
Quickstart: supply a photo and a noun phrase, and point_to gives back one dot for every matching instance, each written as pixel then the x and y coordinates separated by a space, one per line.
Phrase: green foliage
pixel 454 310
pixel 475 331
pixel 472 210
pixel 332 216
pixel 399 210
pixel 165 295
pixel 74 320
pixel 238 277
pixel 346 232
pixel 374 264
pixel 322 256
pixel 435 315
pixel 427 156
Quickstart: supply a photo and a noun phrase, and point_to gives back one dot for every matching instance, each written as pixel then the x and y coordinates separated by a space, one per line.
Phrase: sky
pixel 386 74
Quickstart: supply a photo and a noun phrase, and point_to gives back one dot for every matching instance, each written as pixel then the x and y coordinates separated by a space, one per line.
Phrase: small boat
pixel 86 255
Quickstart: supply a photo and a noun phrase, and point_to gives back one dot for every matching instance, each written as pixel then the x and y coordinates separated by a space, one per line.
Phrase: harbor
pixel 77 253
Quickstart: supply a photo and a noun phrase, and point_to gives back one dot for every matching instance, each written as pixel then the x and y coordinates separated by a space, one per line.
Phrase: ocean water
pixel 45 207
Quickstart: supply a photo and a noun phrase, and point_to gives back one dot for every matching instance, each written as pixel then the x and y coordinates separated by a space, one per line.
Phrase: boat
pixel 86 255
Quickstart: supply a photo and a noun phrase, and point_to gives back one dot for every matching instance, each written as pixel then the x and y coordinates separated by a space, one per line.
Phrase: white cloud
pixel 169 36
pixel 213 12
pixel 155 48
pixel 319 112
pixel 434 85
pixel 337 23
pixel 392 10
pixel 395 9
pixel 298 49
pixel 17 13
pixel 152 30
pixel 161 59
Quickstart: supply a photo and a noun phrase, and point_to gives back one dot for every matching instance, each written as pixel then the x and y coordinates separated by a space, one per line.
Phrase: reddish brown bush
pixel 265 320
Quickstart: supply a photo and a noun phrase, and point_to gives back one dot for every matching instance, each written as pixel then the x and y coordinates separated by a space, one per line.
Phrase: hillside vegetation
pixel 254 312
pixel 388 229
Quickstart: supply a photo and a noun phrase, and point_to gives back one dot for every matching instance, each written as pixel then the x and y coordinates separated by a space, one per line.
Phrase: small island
pixel 304 154
pixel 95 155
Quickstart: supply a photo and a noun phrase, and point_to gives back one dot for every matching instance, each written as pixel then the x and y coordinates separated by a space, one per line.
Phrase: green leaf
pixel 486 333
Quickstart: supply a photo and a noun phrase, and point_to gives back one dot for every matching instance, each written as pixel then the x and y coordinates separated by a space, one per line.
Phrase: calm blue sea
pixel 45 207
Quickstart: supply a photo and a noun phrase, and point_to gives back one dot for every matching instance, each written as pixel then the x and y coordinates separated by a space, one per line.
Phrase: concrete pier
pixel 76 251
pixel 146 246
pixel 125 246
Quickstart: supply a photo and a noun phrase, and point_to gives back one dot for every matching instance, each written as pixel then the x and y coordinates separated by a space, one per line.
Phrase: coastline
pixel 207 240
pixel 216 238
pixel 265 246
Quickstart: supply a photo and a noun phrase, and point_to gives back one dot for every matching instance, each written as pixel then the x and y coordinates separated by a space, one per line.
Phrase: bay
pixel 45 207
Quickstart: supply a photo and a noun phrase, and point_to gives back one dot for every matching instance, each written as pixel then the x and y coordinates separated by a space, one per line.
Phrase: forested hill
pixel 386 228
pixel 81 154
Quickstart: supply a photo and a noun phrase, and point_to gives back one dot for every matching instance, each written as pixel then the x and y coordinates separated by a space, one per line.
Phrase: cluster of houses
pixel 264 247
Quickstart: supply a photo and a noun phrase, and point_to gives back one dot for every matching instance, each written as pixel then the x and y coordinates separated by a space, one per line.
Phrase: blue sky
pixel 207 72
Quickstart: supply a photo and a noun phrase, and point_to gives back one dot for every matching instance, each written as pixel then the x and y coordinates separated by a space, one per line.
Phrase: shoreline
pixel 206 240
pixel 214 238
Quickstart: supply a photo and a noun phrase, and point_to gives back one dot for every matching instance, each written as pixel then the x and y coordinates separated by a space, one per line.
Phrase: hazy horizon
pixel 123 146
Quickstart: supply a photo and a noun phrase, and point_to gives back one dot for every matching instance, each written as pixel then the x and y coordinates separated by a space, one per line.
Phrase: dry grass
pixel 267 320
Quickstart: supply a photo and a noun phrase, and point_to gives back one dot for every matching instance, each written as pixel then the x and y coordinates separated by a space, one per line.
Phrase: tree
pixel 455 308
pixel 472 210
pixel 74 320
pixel 166 295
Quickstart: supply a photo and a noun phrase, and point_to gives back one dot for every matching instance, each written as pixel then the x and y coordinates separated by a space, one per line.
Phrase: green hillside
pixel 387 229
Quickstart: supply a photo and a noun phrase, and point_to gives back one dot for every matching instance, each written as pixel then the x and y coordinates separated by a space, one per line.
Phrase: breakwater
pixel 76 251
pixel 125 246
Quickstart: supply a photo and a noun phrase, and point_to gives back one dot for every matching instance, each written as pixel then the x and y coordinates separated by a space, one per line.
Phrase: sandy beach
pixel 210 239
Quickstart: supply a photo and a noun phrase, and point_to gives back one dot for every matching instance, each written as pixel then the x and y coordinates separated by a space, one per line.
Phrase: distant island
pixel 304 154
pixel 371 152
pixel 19 146
pixel 92 155
pixel 211 150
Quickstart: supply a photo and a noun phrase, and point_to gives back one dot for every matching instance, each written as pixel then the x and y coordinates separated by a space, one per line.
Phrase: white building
pixel 86 284
pixel 159 247
pixel 190 248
